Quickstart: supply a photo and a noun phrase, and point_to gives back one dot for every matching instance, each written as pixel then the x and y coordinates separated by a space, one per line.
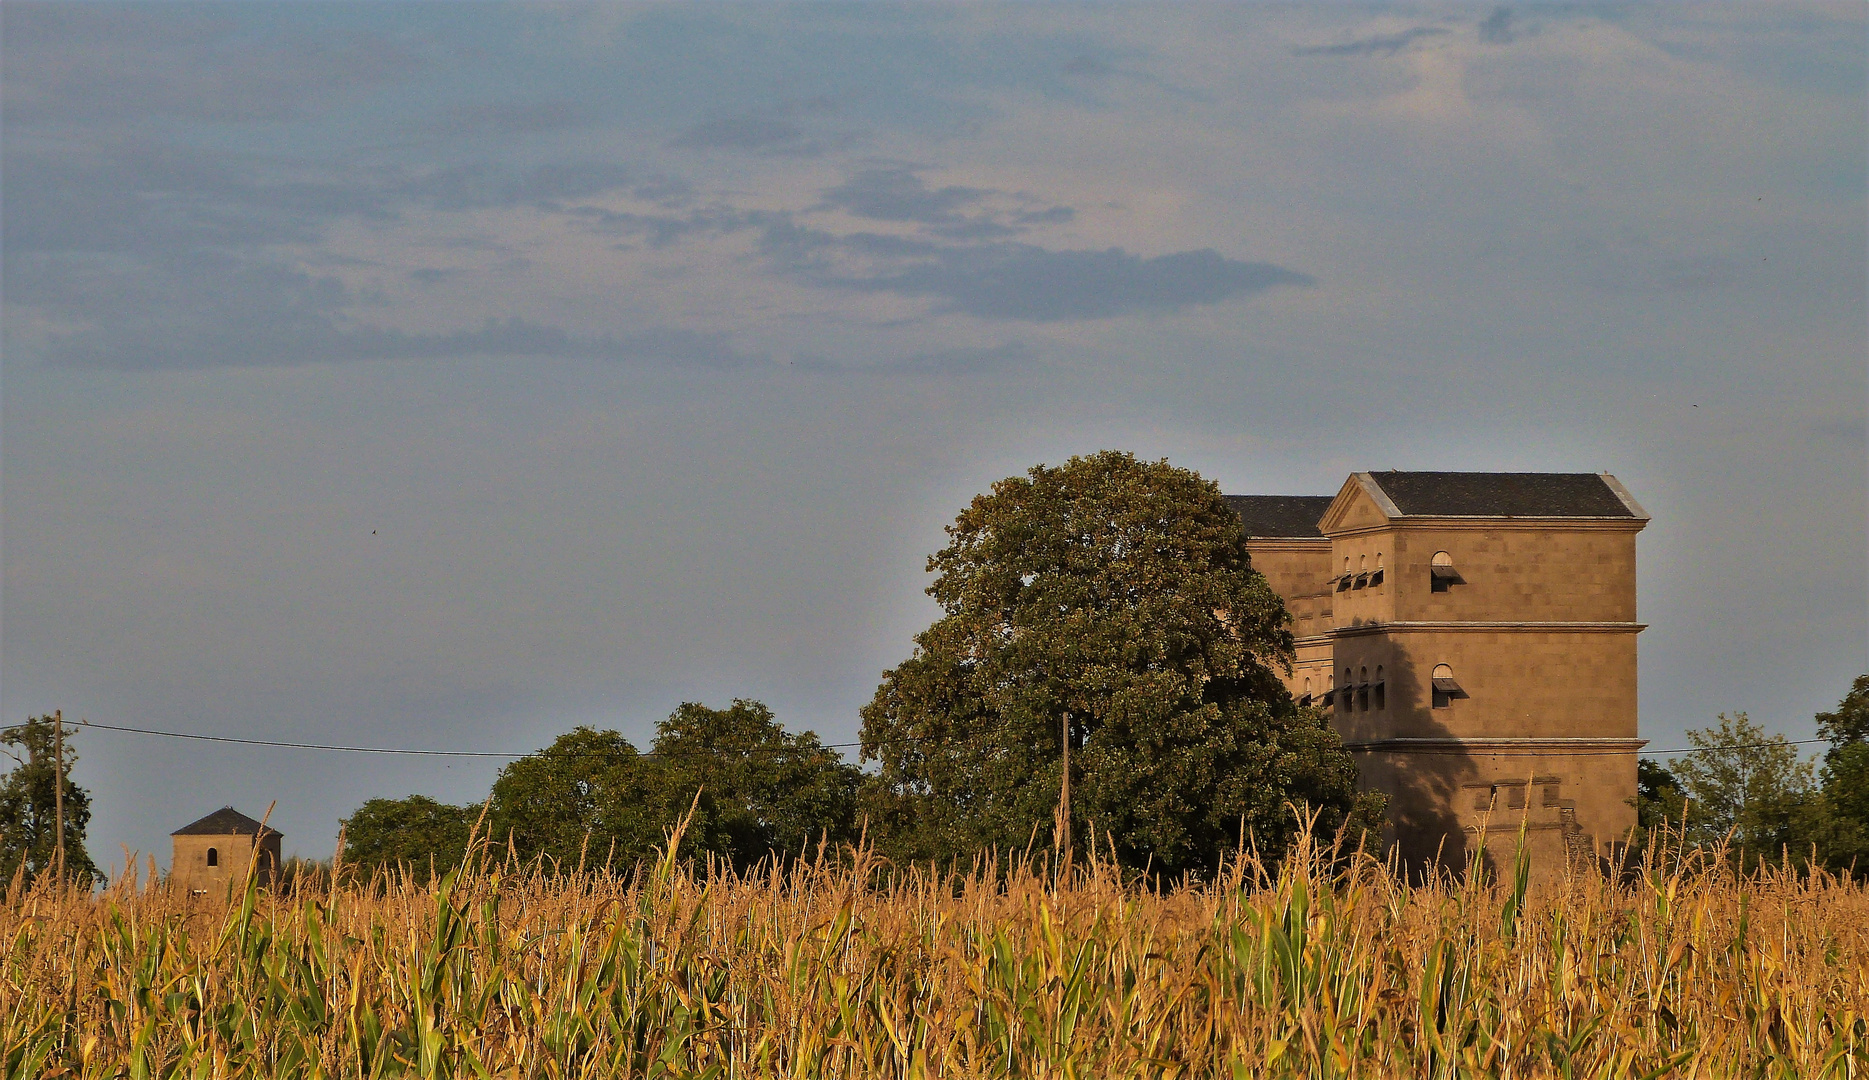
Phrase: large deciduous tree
pixel 1109 601
pixel 29 806
pixel 1844 826
pixel 1744 787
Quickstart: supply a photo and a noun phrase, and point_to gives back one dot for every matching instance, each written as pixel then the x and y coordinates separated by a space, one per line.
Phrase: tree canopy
pixel 774 793
pixel 29 806
pixel 1743 784
pixel 413 833
pixel 756 791
pixel 590 798
pixel 1111 601
pixel 1844 828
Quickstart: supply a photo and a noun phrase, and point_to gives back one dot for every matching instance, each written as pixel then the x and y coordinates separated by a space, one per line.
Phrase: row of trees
pixel 754 791
pixel 1756 795
pixel 1105 666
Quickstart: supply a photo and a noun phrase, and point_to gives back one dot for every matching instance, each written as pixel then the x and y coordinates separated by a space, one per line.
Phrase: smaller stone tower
pixel 214 852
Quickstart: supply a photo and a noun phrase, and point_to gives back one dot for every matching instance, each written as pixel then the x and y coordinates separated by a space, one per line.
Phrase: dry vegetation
pixel 840 970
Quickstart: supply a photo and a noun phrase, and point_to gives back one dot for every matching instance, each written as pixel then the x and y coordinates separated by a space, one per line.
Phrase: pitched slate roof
pixel 1280 515
pixel 223 822
pixel 1479 494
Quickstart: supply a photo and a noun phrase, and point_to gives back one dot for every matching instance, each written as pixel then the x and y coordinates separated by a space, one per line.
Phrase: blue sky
pixel 449 375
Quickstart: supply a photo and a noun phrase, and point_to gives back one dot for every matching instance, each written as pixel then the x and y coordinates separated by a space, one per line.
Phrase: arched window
pixel 1375 576
pixel 214 857
pixel 1362 691
pixel 1362 571
pixel 1441 572
pixel 1349 690
pixel 1444 687
pixel 1378 692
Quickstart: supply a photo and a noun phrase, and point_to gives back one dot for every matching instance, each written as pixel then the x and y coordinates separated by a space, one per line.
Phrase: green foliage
pixel 773 793
pixel 1659 799
pixel 1843 831
pixel 1112 598
pixel 415 834
pixel 590 799
pixel 1746 785
pixel 29 811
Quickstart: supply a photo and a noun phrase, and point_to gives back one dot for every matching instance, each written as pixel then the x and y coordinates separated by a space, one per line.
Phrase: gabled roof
pixel 1482 494
pixel 1281 515
pixel 224 822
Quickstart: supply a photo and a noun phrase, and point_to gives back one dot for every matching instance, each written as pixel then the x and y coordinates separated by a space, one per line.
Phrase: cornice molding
pixel 1500 747
pixel 1496 524
pixel 1513 626
pixel 1309 544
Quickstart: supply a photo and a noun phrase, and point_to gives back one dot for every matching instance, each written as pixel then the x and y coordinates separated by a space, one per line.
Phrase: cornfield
pixel 845 967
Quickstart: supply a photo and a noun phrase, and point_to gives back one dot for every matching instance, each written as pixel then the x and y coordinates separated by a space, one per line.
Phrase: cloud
pixel 482 185
pixel 1379 45
pixel 1496 28
pixel 117 63
pixel 1034 284
pixel 770 130
pixel 515 118
pixel 968 361
pixel 897 193
pixel 206 310
pixel 964 361
pixel 746 131
pixel 1850 429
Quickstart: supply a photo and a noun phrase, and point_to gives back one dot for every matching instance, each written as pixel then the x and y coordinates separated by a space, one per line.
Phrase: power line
pixel 408 752
pixel 508 756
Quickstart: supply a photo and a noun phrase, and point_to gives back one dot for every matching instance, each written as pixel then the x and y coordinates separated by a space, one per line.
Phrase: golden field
pixel 849 968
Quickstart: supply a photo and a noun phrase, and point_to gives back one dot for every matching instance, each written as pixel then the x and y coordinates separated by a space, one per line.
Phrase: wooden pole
pixel 1064 794
pixel 58 793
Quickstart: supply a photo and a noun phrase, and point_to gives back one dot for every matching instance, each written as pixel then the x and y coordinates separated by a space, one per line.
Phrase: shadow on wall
pixel 1429 786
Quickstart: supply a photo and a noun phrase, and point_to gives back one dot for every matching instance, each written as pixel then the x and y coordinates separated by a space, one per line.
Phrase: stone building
pixel 213 852
pixel 1473 638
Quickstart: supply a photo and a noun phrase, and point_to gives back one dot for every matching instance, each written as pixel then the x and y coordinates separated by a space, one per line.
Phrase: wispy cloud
pixel 1034 284
pixel 1375 45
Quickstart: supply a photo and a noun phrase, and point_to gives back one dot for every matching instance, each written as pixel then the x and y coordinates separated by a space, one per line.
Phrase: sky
pixel 447 376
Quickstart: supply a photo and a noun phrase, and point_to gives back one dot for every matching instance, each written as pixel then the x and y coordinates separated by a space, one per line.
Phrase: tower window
pixel 1445 689
pixel 214 857
pixel 1441 572
pixel 1375 576
pixel 1377 692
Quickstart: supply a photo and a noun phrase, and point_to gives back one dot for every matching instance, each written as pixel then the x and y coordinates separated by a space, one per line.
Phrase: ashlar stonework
pixel 1473 638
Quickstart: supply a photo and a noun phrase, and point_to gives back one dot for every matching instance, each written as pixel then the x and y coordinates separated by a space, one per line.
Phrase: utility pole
pixel 58 794
pixel 1064 794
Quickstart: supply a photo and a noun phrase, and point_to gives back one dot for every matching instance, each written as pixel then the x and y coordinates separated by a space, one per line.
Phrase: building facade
pixel 1473 639
pixel 211 855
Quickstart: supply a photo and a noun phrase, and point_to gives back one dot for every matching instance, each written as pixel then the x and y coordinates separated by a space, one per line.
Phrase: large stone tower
pixel 215 851
pixel 1474 638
